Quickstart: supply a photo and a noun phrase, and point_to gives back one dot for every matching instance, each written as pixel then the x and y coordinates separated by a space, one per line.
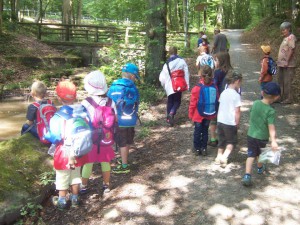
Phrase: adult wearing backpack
pixel 286 62
pixel 126 97
pixel 173 65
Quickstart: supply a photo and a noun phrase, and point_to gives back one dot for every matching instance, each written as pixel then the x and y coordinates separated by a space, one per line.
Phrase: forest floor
pixel 168 184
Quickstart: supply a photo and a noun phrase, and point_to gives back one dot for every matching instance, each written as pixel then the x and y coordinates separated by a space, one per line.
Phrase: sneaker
pixel 75 202
pixel 213 143
pixel 197 152
pixel 105 188
pixel 170 119
pixel 61 205
pixel 83 189
pixel 223 162
pixel 204 152
pixel 246 180
pixel 217 161
pixel 261 170
pixel 121 169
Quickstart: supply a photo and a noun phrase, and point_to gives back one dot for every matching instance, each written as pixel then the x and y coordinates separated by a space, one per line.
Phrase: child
pixel 265 77
pixel 67 172
pixel 174 98
pixel 262 118
pixel 38 92
pixel 204 58
pixel 223 65
pixel 95 85
pixel 201 122
pixel 205 43
pixel 127 109
pixel 228 117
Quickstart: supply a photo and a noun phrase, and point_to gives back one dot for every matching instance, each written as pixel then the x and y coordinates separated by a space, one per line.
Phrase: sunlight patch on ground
pixel 111 213
pixel 164 208
pixel 133 190
pixel 130 205
pixel 286 139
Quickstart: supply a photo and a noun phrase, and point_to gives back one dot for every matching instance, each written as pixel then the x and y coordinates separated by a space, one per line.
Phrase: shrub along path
pixel 169 185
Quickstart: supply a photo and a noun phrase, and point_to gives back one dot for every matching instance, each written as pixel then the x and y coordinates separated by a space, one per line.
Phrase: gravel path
pixel 169 185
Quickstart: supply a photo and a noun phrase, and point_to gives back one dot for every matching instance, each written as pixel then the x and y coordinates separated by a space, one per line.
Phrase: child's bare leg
pixel 220 152
pixel 62 193
pixel 212 129
pixel 227 151
pixel 249 163
pixel 124 154
pixel 75 189
pixel 259 165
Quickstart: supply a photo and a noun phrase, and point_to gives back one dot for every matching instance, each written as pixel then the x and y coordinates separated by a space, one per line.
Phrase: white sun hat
pixel 95 83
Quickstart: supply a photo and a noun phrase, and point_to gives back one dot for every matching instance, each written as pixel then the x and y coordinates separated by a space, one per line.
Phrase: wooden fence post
pixel 39 31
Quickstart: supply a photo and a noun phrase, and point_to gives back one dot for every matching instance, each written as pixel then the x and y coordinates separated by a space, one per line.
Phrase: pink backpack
pixel 103 121
pixel 43 115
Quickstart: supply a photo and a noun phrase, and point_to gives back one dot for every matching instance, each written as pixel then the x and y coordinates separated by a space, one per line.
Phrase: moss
pixel 22 160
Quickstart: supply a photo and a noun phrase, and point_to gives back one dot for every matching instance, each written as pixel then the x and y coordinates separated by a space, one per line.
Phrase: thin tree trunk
pixel 79 11
pixel 1 12
pixel 13 14
pixel 155 40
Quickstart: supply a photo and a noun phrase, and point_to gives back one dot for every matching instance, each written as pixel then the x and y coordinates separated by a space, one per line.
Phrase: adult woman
pixel 286 62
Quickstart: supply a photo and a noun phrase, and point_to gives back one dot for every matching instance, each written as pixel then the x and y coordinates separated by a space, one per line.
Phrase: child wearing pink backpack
pixel 101 111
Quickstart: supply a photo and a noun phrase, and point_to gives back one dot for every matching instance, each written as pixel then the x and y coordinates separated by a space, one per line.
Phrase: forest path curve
pixel 169 185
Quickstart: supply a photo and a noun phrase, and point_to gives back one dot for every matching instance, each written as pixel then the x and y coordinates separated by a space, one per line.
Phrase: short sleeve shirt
pixel 220 43
pixel 229 101
pixel 261 116
pixel 288 44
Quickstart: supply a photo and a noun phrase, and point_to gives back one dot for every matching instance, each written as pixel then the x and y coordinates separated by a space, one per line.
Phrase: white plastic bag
pixel 269 156
pixel 51 150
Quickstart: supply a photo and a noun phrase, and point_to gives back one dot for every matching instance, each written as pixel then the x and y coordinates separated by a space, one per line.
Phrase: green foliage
pixel 6 75
pixel 47 178
pixel 30 209
pixel 150 93
pixel 143 133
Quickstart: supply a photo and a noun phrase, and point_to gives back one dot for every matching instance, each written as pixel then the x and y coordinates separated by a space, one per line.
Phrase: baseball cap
pixel 66 90
pixel 271 88
pixel 95 83
pixel 131 68
pixel 266 48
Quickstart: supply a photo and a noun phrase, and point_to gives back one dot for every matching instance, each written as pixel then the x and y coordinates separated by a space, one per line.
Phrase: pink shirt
pixel 287 46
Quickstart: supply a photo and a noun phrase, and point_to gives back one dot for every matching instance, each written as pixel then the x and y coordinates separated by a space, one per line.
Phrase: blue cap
pixel 131 68
pixel 272 88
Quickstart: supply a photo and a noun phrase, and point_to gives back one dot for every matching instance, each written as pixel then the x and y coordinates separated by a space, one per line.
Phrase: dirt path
pixel 169 185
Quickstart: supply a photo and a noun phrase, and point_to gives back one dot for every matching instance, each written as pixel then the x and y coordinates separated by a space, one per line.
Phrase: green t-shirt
pixel 261 115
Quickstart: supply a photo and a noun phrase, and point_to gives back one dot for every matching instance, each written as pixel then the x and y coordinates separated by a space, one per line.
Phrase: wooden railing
pixel 94 33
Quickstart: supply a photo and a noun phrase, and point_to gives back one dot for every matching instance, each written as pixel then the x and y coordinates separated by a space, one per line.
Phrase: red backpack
pixel 43 116
pixel 178 81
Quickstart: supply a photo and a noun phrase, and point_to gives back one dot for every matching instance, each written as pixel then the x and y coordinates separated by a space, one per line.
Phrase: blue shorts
pixel 254 146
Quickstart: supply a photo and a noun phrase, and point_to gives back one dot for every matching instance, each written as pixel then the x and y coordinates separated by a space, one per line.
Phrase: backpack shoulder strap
pixel 63 115
pixel 168 68
pixel 109 102
pixel 36 104
pixel 92 102
pixel 200 85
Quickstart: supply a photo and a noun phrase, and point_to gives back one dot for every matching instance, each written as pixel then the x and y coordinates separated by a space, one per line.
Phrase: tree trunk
pixel 155 40
pixel 1 12
pixel 66 12
pixel 13 13
pixel 185 22
pixel 79 11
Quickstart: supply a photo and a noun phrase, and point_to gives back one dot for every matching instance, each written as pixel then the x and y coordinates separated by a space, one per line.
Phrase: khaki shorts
pixel 125 136
pixel 65 178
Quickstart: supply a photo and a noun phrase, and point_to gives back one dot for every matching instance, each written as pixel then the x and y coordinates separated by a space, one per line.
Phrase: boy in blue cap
pixel 262 118
pixel 126 97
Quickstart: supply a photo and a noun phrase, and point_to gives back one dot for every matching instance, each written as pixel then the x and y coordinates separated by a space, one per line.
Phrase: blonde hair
pixel 232 76
pixel 38 89
pixel 172 50
pixel 206 74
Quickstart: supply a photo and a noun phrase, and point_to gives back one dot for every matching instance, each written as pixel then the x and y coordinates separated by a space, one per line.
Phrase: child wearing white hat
pixel 96 86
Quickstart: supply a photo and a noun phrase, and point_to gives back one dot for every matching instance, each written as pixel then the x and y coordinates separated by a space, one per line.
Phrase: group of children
pixel 226 117
pixel 72 173
pixel 218 82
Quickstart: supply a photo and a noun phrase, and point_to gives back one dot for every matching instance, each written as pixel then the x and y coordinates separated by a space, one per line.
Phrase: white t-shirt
pixel 229 101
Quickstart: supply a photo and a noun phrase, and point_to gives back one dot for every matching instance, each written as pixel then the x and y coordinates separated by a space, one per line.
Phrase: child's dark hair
pixel 224 61
pixel 206 73
pixel 233 76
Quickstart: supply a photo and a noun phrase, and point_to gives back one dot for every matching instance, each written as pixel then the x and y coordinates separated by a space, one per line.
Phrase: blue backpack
pixel 208 102
pixel 76 134
pixel 126 97
pixel 272 66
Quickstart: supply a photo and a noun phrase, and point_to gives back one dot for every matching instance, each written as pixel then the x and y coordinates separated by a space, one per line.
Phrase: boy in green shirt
pixel 262 118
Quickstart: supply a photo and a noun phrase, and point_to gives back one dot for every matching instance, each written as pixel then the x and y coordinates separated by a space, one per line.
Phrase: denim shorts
pixel 227 134
pixel 125 136
pixel 254 146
